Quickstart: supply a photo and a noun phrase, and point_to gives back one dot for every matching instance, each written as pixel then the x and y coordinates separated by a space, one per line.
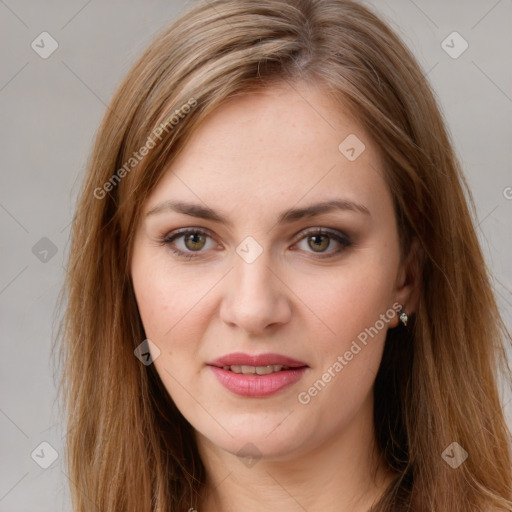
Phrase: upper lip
pixel 239 358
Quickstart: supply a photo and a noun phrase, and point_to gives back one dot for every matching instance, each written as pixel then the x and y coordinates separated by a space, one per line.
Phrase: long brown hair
pixel 128 447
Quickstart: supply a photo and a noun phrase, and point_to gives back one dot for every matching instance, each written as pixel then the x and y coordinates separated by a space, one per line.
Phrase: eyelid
pixel 185 231
pixel 333 233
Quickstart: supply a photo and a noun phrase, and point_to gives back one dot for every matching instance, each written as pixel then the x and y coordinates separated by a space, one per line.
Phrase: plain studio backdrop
pixel 52 97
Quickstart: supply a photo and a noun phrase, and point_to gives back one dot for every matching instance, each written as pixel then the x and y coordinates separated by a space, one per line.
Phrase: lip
pixel 257 386
pixel 239 358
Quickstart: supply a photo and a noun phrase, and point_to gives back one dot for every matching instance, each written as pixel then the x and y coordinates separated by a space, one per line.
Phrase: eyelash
pixel 342 239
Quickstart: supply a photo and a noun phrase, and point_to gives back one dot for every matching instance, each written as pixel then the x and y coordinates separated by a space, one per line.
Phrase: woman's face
pixel 254 277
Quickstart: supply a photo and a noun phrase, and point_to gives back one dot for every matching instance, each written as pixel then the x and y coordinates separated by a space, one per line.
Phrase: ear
pixel 408 283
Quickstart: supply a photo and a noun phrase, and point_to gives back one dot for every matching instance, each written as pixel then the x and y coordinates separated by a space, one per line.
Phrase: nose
pixel 256 299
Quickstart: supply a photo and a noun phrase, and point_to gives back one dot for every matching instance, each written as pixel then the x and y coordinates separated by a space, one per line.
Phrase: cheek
pixel 167 297
pixel 170 307
pixel 355 308
pixel 350 299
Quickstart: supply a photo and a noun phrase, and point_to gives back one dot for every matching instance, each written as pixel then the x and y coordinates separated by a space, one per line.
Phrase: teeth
pixel 259 370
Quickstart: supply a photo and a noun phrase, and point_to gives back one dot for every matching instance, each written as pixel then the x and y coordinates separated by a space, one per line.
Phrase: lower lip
pixel 257 385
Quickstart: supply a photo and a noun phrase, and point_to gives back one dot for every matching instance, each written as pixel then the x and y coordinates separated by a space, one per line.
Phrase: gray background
pixel 51 109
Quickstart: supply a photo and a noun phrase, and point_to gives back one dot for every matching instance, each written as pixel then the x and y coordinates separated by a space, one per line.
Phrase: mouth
pixel 257 375
pixel 257 370
pixel 262 364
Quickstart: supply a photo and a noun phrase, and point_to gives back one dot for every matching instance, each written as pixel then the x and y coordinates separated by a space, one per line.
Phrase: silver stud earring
pixel 403 316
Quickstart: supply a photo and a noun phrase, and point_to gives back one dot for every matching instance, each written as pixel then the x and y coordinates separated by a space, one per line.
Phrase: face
pixel 249 264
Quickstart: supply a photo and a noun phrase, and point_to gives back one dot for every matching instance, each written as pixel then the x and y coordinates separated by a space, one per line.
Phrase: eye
pixel 319 240
pixel 192 241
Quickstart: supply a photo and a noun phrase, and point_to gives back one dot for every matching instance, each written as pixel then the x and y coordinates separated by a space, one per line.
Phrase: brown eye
pixel 194 241
pixel 189 243
pixel 318 242
pixel 324 243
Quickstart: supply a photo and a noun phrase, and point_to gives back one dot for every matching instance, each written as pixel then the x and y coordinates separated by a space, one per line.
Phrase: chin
pixel 250 437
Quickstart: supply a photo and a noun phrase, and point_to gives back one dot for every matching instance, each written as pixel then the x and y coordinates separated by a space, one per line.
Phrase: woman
pixel 276 297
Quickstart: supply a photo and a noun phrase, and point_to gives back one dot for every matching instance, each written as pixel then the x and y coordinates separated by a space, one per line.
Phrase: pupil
pixel 193 239
pixel 317 243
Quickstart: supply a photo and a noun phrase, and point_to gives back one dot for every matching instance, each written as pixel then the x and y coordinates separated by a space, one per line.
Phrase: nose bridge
pixel 255 298
pixel 251 273
pixel 252 260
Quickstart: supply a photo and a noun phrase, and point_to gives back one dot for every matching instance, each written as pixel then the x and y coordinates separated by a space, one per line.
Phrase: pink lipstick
pixel 257 375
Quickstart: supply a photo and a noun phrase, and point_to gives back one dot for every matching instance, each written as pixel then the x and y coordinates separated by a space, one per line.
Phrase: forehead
pixel 280 144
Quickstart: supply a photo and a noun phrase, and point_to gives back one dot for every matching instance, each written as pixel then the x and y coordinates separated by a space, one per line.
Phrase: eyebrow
pixel 288 216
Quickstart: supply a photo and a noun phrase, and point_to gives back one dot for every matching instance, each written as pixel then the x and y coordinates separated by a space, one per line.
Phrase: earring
pixel 403 316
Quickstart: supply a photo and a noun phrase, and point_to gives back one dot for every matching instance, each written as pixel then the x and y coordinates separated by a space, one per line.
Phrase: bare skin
pixel 305 296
